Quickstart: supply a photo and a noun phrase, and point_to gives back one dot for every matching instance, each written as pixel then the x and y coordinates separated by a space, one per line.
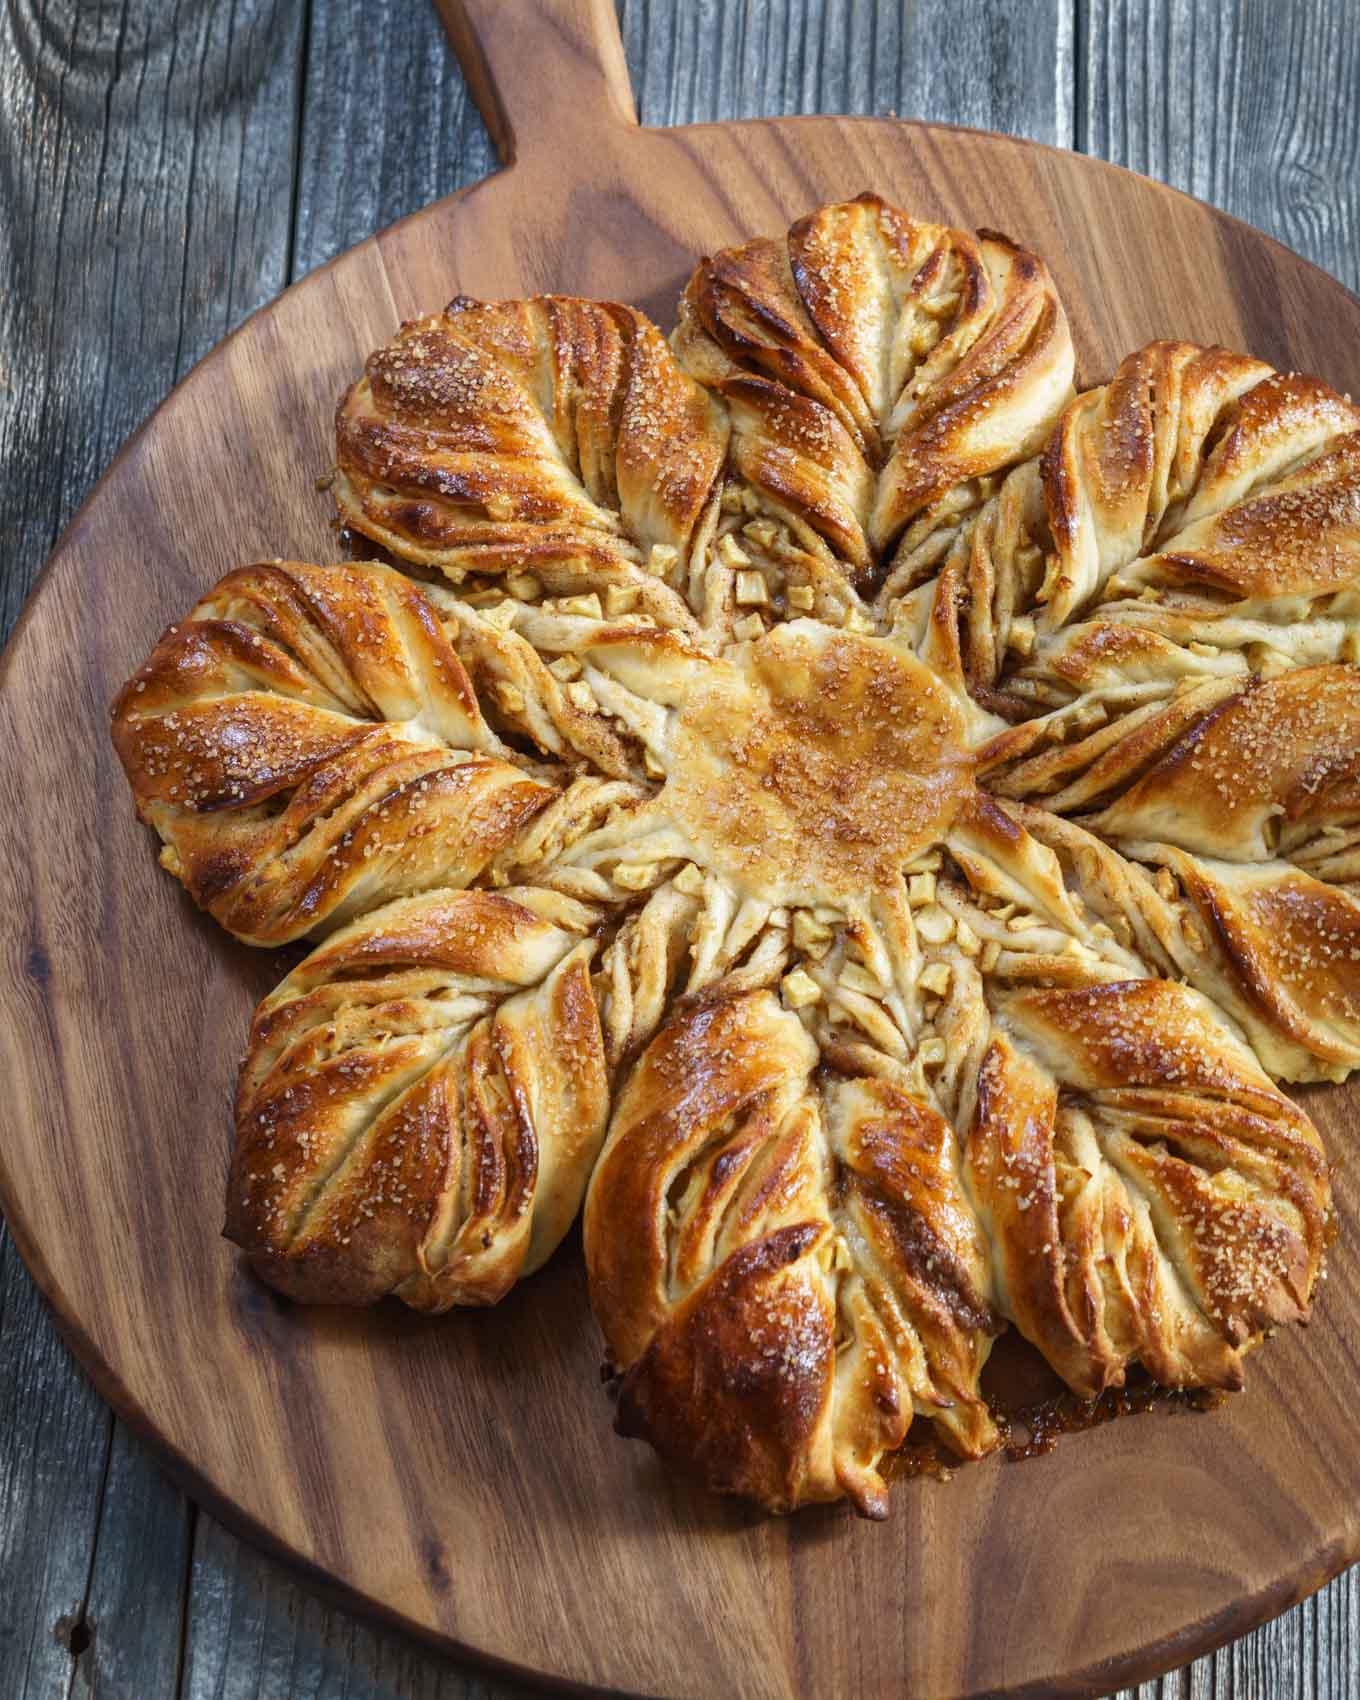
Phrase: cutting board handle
pixel 545 73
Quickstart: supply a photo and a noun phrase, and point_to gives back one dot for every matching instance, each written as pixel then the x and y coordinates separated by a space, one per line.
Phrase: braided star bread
pixel 871 823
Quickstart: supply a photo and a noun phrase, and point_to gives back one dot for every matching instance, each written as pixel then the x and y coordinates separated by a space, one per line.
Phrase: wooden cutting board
pixel 459 1475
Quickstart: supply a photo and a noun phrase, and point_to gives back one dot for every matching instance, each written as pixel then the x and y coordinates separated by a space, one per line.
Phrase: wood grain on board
pixel 789 57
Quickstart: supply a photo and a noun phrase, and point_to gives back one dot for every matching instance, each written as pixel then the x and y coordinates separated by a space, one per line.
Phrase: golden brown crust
pixel 814 763
pixel 554 436
pixel 715 1300
pixel 789 1271
pixel 1146 1192
pixel 915 1264
pixel 1246 796
pixel 876 368
pixel 1126 454
pixel 1299 535
pixel 933 950
pixel 1198 500
pixel 1293 944
pixel 1164 1153
pixel 743 1419
pixel 1269 767
pixel 420 1105
pixel 307 746
pixel 800 1275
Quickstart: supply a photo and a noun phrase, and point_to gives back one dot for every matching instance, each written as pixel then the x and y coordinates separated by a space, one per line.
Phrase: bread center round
pixel 813 763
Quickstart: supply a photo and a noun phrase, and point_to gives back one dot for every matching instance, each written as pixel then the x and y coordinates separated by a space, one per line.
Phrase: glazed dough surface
pixel 869 825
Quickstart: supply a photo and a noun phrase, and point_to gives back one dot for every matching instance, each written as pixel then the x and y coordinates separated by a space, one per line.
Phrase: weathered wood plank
pixel 144 210
pixel 1252 108
pixel 421 136
pixel 257 1634
pixel 54 1444
pixel 130 1631
pixel 387 125
pixel 993 66
pixel 144 213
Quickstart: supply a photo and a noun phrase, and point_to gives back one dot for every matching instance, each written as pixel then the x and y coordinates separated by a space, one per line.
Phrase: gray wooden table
pixel 168 165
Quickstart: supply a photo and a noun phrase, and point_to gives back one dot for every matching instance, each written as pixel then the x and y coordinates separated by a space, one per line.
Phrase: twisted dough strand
pixel 421 1102
pixel 1197 499
pixel 307 745
pixel 554 437
pixel 878 371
